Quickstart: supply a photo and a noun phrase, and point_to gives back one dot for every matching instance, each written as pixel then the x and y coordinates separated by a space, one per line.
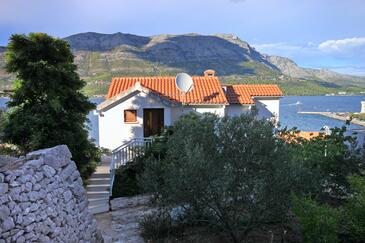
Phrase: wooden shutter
pixel 130 115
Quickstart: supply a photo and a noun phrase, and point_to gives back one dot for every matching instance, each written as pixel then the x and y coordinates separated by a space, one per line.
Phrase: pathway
pixel 122 224
pixel 98 188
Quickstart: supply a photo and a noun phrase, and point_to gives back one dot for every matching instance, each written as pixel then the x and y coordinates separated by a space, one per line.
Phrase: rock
pixel 28 186
pixel 21 239
pixel 4 212
pixel 68 171
pixel 18 234
pixel 38 202
pixel 8 224
pixel 38 176
pixel 36 163
pixel 48 171
pixel 36 187
pixel 28 219
pixel 3 188
pixel 67 195
pixel 4 199
pixel 24 179
pixel 55 157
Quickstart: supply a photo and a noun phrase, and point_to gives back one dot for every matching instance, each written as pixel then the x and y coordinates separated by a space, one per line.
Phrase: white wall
pixel 237 109
pixel 113 132
pixel 268 107
pixel 176 112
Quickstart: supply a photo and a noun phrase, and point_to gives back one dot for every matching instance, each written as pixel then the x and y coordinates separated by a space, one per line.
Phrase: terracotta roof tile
pixel 206 90
pixel 243 93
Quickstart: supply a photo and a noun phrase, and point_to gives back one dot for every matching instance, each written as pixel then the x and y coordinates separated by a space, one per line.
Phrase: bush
pixel 158 225
pixel 319 222
pixel 354 211
pixel 126 181
pixel 227 173
pixel 326 161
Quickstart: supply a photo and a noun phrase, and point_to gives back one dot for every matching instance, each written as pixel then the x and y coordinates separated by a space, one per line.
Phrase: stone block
pixel 3 188
pixel 48 171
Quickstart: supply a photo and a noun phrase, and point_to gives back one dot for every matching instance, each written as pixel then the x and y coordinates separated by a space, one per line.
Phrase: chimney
pixel 209 73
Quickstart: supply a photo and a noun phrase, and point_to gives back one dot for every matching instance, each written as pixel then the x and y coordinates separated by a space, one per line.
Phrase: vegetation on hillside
pixel 47 107
pixel 99 57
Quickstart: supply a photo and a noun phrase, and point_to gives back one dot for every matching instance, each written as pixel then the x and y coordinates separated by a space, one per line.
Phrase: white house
pixel 137 107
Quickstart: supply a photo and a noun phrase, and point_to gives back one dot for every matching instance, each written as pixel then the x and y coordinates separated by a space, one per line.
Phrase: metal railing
pixel 125 153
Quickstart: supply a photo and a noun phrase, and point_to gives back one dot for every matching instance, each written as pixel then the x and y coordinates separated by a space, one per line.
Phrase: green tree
pixel 229 173
pixel 354 210
pixel 47 107
pixel 319 222
pixel 328 160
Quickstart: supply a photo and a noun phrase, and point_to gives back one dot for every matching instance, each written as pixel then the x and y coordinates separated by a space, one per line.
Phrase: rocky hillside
pixel 101 56
pixel 291 69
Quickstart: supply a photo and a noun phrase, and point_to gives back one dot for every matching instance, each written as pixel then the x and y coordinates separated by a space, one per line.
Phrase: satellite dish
pixel 184 82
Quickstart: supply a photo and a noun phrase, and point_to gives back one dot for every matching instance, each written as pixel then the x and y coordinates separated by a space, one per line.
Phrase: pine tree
pixel 47 107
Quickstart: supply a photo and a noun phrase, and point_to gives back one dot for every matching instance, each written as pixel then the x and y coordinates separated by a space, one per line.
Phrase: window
pixel 130 116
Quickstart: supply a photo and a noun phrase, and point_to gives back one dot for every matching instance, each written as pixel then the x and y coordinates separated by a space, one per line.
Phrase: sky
pixel 314 33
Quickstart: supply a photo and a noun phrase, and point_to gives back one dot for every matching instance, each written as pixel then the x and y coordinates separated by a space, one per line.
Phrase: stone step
pixel 100 175
pixel 98 181
pixel 97 188
pixel 99 208
pixel 99 194
pixel 98 201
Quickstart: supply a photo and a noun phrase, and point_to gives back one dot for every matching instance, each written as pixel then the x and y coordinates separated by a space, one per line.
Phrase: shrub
pixel 354 210
pixel 158 225
pixel 224 172
pixel 125 181
pixel 319 222
pixel 326 161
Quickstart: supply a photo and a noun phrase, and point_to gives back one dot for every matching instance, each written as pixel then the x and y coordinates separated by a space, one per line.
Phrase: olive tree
pixel 230 173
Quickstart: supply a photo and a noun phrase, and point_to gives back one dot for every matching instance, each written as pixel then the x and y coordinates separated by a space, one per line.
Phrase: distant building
pixel 139 107
pixel 362 106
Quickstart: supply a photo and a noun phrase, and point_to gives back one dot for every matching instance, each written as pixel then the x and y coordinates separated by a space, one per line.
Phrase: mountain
pixel 101 56
pixel 290 68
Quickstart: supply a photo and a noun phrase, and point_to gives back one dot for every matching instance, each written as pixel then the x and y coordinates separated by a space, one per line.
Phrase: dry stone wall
pixel 42 199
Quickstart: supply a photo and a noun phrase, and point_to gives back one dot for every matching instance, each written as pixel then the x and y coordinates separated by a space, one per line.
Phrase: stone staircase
pixel 98 188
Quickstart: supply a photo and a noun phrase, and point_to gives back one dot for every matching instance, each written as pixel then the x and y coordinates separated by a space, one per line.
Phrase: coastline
pixel 342 116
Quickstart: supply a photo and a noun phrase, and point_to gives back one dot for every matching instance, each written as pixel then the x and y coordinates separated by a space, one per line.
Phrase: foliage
pixel 319 222
pixel 225 172
pixel 126 177
pixel 125 181
pixel 360 116
pixel 354 210
pixel 328 160
pixel 159 225
pixel 47 107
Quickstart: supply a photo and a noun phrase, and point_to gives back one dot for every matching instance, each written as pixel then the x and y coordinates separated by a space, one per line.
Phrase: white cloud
pixel 343 45
pixel 276 46
pixel 285 49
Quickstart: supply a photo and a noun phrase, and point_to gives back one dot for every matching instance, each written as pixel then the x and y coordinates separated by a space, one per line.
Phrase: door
pixel 152 122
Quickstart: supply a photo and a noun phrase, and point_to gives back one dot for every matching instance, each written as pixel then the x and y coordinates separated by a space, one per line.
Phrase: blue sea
pixel 289 117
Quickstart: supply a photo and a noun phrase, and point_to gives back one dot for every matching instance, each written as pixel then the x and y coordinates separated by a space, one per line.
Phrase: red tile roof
pixel 206 90
pixel 243 93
